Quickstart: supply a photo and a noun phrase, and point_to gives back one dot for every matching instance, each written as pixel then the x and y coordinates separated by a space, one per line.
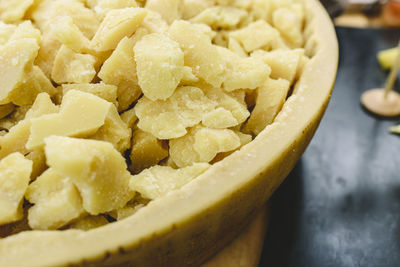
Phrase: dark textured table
pixel 341 204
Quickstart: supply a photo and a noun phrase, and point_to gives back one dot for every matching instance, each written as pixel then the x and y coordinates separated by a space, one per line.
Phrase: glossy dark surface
pixel 341 204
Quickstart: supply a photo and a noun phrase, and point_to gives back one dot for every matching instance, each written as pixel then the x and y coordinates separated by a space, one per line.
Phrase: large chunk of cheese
pixel 81 114
pixel 202 144
pixel 160 180
pixel 159 62
pixel 116 25
pixel 57 201
pixel 120 70
pixel 95 168
pixel 202 56
pixel 169 119
pixel 16 57
pixel 15 173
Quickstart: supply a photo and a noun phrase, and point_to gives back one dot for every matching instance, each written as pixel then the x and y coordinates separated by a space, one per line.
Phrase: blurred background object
pixel 364 13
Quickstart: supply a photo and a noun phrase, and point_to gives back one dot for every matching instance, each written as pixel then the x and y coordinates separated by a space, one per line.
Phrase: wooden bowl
pixel 187 226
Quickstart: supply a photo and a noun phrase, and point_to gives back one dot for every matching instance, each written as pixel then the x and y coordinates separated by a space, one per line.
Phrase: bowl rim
pixel 312 91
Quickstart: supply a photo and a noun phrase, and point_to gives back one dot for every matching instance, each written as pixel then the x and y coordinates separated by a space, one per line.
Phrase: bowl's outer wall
pixel 189 225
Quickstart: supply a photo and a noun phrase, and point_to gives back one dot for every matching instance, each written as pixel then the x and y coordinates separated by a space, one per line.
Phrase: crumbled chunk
pixel 192 8
pixel 220 16
pixel 57 201
pixel 35 82
pixel 146 151
pixel 6 31
pixel 203 57
pixel 202 144
pixel 81 114
pixel 39 162
pixel 102 7
pixel 108 186
pixel 284 63
pixel 17 137
pixel 169 119
pixel 159 62
pixel 106 91
pixel 243 72
pixel 114 131
pixel 169 10
pixel 47 10
pixel 120 70
pixel 67 33
pixel 47 52
pixel 15 57
pixel 256 35
pixel 26 30
pixel 129 117
pixel 13 10
pixel 188 76
pixel 72 67
pixel 290 25
pixel 117 24
pixel 160 180
pixel 15 171
pixel 236 47
pixel 232 101
pixel 154 23
pixel 219 118
pixel 270 99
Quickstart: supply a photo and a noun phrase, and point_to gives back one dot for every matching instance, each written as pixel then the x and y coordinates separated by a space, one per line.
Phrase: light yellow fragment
pixel 17 137
pixel 57 201
pixel 102 7
pixel 243 72
pixel 15 58
pixel 13 10
pixel 256 35
pixel 270 99
pixel 192 8
pixel 6 31
pixel 158 181
pixel 202 56
pixel 67 33
pixel 95 168
pixel 231 101
pixel 26 30
pixel 284 63
pixel 35 82
pixel 219 118
pixel 188 77
pixel 129 117
pixel 114 131
pixel 220 16
pixel 72 67
pixel 116 25
pixel 395 129
pixel 106 91
pixel 169 119
pixel 47 10
pixel 81 114
pixel 290 25
pixel 202 144
pixel 120 70
pixel 159 63
pixel 170 10
pixel 15 171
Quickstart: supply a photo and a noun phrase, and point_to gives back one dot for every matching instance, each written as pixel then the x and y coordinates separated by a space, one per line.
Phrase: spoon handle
pixel 393 73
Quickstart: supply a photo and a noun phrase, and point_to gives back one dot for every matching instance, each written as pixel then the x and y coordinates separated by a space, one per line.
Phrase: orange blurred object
pixel 391 13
